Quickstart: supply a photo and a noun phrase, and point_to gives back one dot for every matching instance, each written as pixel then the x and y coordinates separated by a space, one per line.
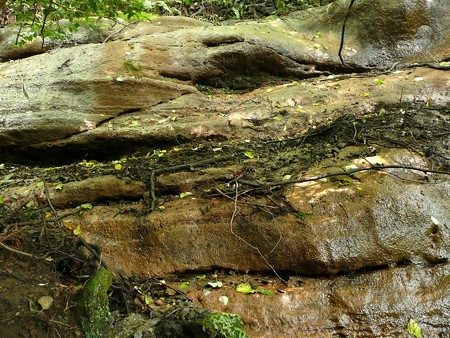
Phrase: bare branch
pixel 341 173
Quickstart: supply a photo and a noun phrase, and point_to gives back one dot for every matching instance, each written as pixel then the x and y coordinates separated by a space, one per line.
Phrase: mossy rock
pixel 93 305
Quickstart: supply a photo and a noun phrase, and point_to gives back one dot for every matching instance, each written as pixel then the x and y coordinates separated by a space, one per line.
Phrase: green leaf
pixel 39 184
pixel 164 6
pixel 59 186
pixel 147 300
pixel 201 277
pixel 185 194
pixel 249 154
pixel 245 288
pixel 378 82
pixel 414 328
pixel 77 231
pixel 2 200
pixel 236 12
pixel 183 285
pixel 86 206
pixel 264 292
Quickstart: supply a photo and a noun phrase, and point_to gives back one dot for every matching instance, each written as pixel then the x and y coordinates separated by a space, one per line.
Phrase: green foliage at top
pixel 41 17
pixel 224 325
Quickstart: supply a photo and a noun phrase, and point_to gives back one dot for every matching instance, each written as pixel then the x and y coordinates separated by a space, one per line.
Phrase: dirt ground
pixel 23 282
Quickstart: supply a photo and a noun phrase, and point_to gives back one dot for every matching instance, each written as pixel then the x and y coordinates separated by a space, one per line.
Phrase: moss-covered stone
pixel 93 305
pixel 132 67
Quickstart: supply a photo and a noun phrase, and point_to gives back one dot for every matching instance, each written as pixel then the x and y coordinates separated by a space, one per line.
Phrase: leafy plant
pixel 85 206
pixel 246 288
pixel 226 325
pixel 236 12
pixel 414 328
pixel 185 194
pixel 77 230
pixel 249 154
pixel 42 17
pixel 183 285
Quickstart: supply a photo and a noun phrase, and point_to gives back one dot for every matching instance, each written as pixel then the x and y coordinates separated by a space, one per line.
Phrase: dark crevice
pixel 220 41
pixel 287 274
pixel 99 150
pixel 340 69
pixel 126 111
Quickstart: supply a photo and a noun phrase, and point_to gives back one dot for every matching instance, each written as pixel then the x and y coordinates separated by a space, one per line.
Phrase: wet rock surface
pixel 198 153
pixel 376 303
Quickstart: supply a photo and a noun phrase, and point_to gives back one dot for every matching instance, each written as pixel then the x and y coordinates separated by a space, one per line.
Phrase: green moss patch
pixel 93 305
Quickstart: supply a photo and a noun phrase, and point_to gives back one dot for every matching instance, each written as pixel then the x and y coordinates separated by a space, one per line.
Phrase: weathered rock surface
pixel 71 102
pixel 107 100
pixel 97 189
pixel 385 32
pixel 374 220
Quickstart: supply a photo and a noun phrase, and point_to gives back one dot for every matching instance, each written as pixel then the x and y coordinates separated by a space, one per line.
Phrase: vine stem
pixel 341 173
pixel 347 14
pixel 233 216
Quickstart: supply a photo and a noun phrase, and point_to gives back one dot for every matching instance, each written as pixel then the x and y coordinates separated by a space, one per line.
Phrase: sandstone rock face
pixel 381 33
pixel 160 213
pixel 373 221
pixel 75 98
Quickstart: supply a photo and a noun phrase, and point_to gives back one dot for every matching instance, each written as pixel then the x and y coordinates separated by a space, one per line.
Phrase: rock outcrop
pixel 228 135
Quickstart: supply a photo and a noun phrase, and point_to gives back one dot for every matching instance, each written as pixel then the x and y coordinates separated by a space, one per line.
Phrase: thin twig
pixel 4 246
pixel 47 195
pixel 51 220
pixel 120 30
pixel 343 173
pixel 249 244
